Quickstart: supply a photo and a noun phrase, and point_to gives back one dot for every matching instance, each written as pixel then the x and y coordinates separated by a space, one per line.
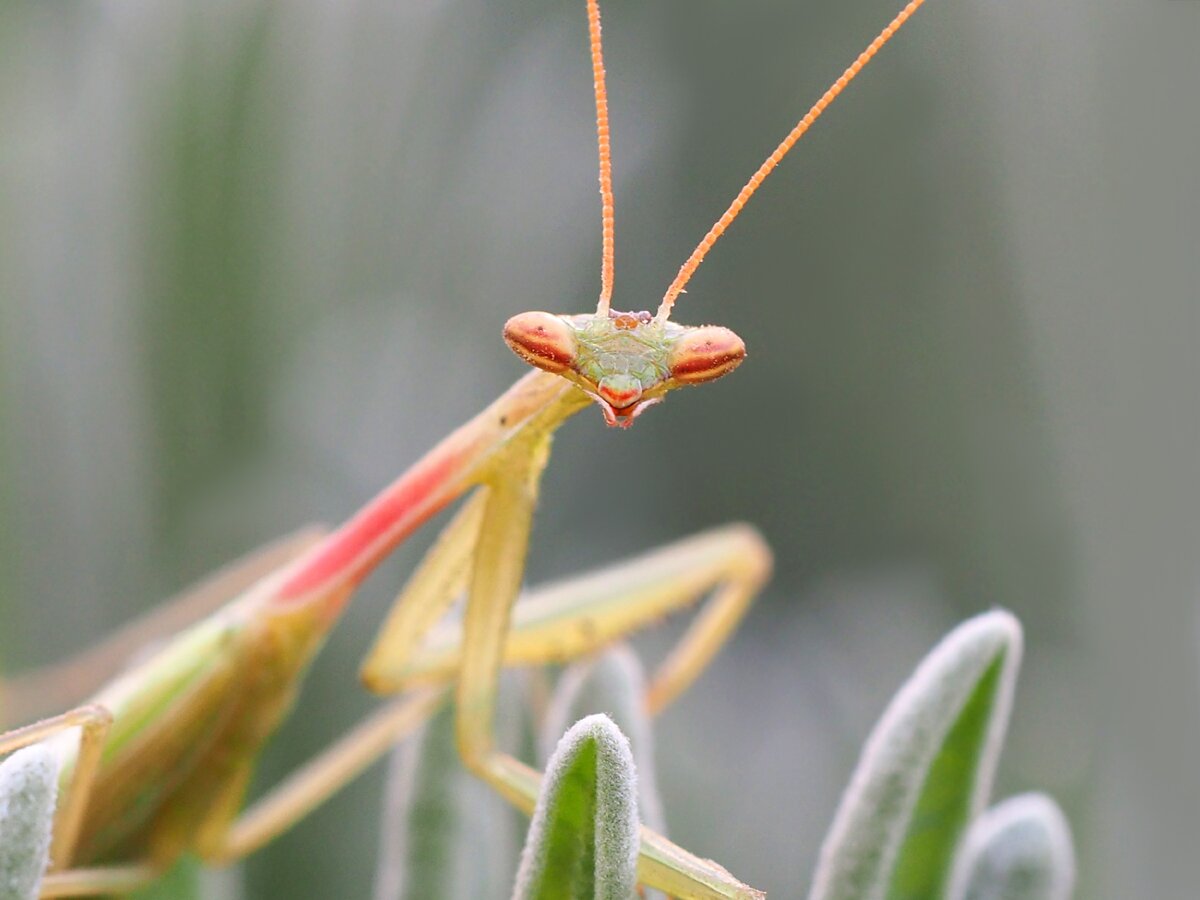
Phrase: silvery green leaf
pixel 1019 850
pixel 28 792
pixel 925 771
pixel 613 683
pixel 583 839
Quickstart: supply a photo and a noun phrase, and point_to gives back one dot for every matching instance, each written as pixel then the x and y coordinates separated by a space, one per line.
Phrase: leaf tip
pixel 28 794
pixel 585 832
pixel 1021 849
pixel 970 673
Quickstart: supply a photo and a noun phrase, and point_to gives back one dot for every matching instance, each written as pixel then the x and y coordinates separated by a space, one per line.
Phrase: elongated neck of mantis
pixel 538 403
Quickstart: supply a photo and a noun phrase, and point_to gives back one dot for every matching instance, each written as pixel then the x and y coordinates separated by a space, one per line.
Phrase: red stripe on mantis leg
pixel 343 559
pixel 351 552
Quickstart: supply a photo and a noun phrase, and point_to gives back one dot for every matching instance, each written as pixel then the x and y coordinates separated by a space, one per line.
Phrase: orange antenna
pixel 693 262
pixel 604 139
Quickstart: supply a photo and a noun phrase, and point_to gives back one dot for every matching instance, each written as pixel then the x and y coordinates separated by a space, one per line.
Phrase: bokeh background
pixel 255 257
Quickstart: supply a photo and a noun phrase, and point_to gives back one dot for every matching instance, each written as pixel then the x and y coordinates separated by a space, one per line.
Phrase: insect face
pixel 624 361
pixel 627 361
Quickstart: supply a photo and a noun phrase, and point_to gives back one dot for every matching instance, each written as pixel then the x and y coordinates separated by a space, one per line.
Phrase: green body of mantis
pixel 164 753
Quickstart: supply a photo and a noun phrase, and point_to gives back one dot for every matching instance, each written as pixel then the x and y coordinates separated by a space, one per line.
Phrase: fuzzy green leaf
pixel 1019 850
pixel 28 792
pixel 583 840
pixel 613 683
pixel 926 770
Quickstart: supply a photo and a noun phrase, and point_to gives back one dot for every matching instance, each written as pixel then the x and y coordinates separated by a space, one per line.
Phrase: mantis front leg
pixel 499 563
pixel 495 583
pixel 488 540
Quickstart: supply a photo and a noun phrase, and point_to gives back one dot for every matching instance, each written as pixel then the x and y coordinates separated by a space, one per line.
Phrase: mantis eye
pixel 706 353
pixel 542 340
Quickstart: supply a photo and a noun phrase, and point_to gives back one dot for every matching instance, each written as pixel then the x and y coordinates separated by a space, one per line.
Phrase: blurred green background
pixel 255 257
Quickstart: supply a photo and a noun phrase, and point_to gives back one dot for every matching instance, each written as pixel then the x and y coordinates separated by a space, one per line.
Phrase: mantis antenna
pixel 693 262
pixel 627 362
pixel 604 139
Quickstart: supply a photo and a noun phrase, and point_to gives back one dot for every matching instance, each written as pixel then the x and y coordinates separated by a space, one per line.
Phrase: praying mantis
pixel 158 761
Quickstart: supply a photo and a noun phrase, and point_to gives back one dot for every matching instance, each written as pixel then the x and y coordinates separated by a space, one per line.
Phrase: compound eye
pixel 706 353
pixel 542 340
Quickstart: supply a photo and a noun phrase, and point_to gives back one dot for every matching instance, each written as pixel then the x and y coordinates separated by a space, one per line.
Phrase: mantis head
pixel 624 361
pixel 628 361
